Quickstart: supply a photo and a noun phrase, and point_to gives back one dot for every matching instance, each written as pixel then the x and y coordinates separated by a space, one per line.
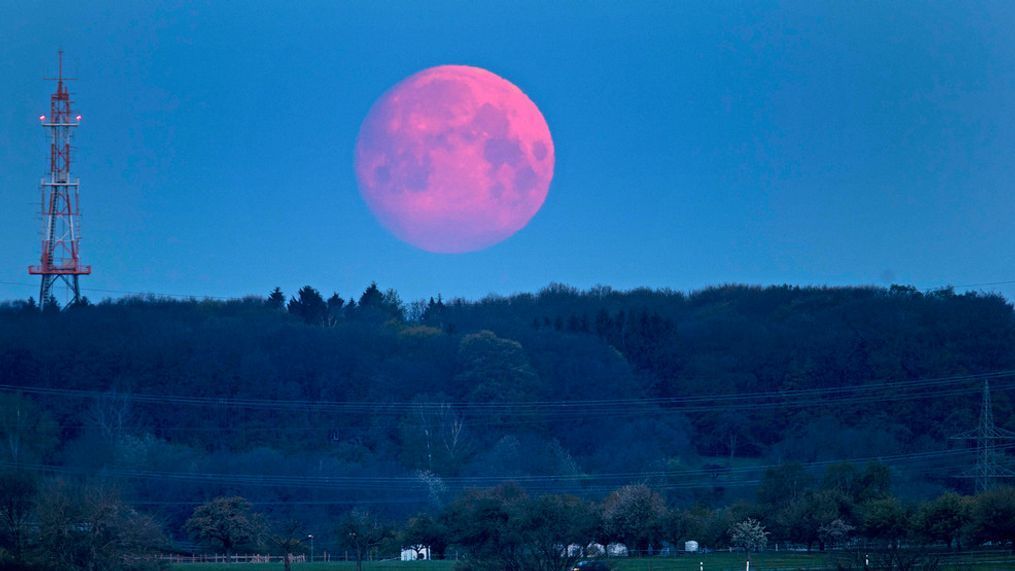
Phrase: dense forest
pixel 311 405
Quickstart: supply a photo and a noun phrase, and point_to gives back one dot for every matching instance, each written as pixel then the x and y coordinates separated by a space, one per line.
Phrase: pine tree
pixel 276 299
pixel 309 306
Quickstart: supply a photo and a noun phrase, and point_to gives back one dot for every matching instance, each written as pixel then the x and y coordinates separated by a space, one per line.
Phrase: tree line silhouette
pixel 314 403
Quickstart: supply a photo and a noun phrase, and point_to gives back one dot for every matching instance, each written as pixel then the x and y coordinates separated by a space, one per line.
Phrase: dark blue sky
pixel 808 142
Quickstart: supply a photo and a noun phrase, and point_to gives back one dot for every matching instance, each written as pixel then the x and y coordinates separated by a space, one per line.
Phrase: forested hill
pixel 583 390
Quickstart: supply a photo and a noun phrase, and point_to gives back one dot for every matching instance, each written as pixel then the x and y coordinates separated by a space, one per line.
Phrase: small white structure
pixel 591 550
pixel 416 553
pixel 616 550
pixel 690 546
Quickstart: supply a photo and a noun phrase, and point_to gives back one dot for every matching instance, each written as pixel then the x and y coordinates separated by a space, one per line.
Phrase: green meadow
pixel 770 561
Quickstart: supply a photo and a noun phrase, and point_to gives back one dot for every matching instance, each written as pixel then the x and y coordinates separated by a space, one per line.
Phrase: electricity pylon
pixel 989 460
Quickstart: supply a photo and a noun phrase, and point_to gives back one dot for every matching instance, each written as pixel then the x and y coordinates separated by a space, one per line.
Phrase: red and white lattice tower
pixel 61 236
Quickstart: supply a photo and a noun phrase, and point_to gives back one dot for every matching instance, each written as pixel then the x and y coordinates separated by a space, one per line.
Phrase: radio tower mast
pixel 60 207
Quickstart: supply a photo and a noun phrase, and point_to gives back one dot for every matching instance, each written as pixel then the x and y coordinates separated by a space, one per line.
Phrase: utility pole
pixel 989 461
pixel 60 205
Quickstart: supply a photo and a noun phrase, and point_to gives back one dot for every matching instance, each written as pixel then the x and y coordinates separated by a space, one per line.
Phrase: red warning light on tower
pixel 60 260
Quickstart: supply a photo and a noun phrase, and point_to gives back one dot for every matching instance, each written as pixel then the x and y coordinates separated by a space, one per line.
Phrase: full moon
pixel 454 159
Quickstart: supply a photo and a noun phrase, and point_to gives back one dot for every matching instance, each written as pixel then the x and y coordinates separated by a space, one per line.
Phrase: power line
pixel 702 403
pixel 682 479
pixel 232 298
pixel 1009 282
pixel 135 293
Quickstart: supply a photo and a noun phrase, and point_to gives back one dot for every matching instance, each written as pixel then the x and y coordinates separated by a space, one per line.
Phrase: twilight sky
pixel 696 143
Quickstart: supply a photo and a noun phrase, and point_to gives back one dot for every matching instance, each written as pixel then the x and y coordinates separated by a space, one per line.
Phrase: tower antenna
pixel 61 237
pixel 989 460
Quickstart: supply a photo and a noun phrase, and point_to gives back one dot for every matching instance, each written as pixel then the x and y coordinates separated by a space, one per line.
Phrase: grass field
pixel 770 561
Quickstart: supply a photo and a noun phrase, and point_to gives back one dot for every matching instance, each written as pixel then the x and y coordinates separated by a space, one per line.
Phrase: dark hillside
pixel 330 403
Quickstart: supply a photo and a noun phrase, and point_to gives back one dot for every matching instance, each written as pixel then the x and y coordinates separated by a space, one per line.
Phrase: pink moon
pixel 454 159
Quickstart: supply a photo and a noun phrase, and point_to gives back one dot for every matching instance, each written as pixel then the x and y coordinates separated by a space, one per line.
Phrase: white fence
pixel 252 558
